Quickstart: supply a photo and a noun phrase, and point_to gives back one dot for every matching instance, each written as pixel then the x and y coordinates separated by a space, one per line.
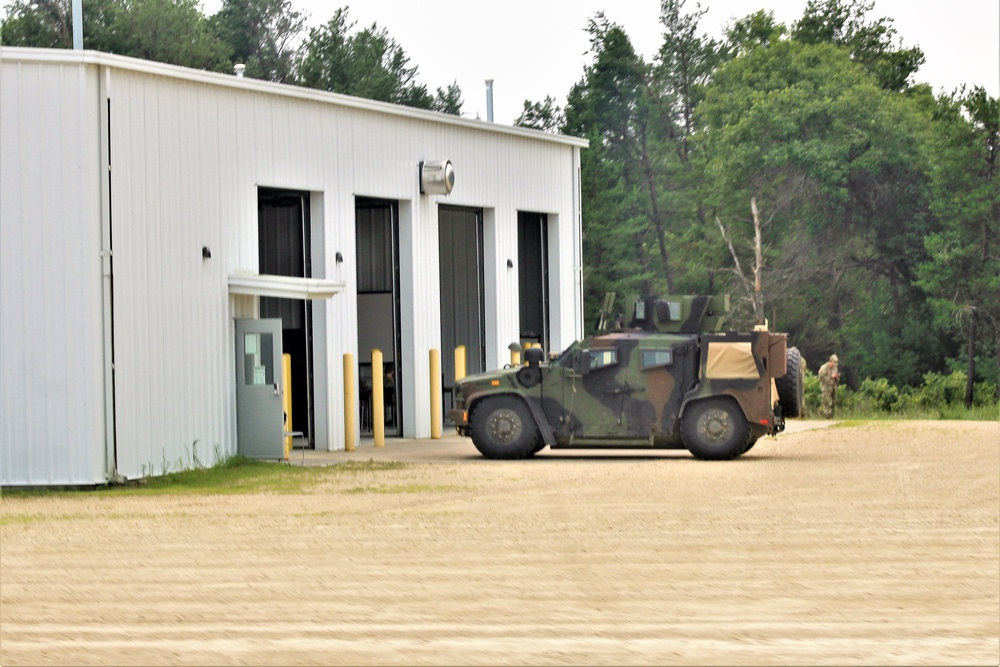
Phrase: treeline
pixel 878 201
pixel 268 36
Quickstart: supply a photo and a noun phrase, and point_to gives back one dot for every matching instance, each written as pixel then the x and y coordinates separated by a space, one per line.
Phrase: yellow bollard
pixel 459 362
pixel 378 399
pixel 349 402
pixel 515 354
pixel 286 400
pixel 436 419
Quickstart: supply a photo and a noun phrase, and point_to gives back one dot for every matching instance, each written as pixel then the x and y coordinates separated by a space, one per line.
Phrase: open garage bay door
pixel 463 313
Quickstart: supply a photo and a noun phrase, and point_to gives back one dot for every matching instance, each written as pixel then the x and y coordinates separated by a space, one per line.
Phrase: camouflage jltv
pixel 669 379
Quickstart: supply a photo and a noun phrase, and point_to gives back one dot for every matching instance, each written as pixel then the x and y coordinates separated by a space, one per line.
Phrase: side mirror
pixel 581 362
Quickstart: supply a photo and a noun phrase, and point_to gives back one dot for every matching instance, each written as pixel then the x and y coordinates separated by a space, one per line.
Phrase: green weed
pixel 235 475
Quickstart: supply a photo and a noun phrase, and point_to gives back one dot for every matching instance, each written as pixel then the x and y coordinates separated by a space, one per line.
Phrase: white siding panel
pixel 51 369
pixel 172 324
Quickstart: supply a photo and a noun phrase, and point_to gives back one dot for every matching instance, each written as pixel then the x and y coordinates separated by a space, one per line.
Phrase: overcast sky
pixel 537 48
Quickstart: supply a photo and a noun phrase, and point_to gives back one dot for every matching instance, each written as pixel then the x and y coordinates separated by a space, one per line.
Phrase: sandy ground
pixel 877 544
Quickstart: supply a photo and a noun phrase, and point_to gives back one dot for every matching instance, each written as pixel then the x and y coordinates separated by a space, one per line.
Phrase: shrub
pixel 879 395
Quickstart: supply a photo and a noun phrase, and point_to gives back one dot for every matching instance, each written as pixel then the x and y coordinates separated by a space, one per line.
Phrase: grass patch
pixel 945 412
pixel 236 475
pixel 849 423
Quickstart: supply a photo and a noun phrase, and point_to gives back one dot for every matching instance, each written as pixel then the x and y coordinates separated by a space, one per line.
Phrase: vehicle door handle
pixel 277 392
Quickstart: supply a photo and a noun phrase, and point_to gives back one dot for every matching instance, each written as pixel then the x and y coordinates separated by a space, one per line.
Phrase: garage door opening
pixel 533 277
pixel 284 250
pixel 377 233
pixel 463 310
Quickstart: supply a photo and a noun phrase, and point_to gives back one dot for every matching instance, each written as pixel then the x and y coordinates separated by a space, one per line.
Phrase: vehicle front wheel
pixel 715 430
pixel 503 428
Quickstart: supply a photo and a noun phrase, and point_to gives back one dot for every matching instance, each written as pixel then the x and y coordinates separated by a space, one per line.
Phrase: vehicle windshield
pixel 566 357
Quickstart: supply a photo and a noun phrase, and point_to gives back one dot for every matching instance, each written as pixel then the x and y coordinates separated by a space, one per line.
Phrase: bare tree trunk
pixel 655 209
pixel 996 346
pixel 970 381
pixel 758 298
pixel 738 270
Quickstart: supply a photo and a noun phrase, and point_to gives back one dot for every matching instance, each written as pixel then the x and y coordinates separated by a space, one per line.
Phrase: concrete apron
pixel 452 448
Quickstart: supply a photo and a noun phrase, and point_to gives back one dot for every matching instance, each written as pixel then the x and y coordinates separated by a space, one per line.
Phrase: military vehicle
pixel 670 379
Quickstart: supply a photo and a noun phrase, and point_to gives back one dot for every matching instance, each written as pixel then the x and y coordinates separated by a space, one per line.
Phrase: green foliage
pixel 962 271
pixel 261 34
pixel 40 23
pixel 169 31
pixel 264 35
pixel 544 116
pixel 878 394
pixel 939 396
pixel 367 63
pixel 870 42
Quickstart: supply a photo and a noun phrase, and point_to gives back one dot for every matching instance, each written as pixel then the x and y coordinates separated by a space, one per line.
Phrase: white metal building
pixel 147 211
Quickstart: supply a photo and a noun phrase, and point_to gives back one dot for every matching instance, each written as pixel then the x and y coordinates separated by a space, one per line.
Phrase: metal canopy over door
pixel 259 408
pixel 463 313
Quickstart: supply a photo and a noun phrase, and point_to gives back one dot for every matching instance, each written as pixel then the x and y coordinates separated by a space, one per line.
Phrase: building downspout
pixel 577 244
pixel 107 275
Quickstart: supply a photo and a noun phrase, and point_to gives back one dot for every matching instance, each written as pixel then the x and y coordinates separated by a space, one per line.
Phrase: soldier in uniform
pixel 828 379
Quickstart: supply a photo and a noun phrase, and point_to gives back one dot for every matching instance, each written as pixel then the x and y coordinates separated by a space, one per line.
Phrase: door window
pixel 656 358
pixel 603 358
pixel 258 363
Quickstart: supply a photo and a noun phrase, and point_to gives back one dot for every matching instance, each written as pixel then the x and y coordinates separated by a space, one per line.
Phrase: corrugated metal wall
pixel 189 151
pixel 51 333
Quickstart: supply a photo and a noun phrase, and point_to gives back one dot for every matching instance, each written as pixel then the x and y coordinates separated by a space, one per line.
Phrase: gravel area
pixel 869 544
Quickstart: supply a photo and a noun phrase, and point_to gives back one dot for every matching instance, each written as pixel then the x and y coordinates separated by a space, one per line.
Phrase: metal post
pixel 286 373
pixel 378 399
pixel 459 362
pixel 436 418
pixel 349 402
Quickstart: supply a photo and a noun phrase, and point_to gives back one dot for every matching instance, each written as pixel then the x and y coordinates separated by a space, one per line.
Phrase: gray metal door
pixel 259 410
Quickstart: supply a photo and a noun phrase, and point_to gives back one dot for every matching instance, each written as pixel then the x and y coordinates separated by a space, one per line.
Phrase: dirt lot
pixel 877 544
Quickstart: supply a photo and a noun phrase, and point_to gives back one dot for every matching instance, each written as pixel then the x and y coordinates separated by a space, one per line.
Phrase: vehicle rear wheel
pixel 791 386
pixel 715 430
pixel 503 428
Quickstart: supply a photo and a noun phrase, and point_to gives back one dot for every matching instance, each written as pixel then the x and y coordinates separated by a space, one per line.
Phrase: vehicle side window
pixel 603 358
pixel 656 358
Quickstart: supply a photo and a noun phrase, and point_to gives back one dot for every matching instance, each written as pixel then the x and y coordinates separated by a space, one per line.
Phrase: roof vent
pixel 437 177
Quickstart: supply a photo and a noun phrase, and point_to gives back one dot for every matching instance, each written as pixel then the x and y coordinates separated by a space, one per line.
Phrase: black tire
pixel 502 428
pixel 750 444
pixel 715 430
pixel 791 387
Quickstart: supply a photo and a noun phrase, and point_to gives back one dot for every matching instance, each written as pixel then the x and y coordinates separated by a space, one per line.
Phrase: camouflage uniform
pixel 828 379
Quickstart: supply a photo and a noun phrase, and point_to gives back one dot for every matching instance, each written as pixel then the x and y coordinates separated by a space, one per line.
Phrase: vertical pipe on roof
pixel 489 100
pixel 78 25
